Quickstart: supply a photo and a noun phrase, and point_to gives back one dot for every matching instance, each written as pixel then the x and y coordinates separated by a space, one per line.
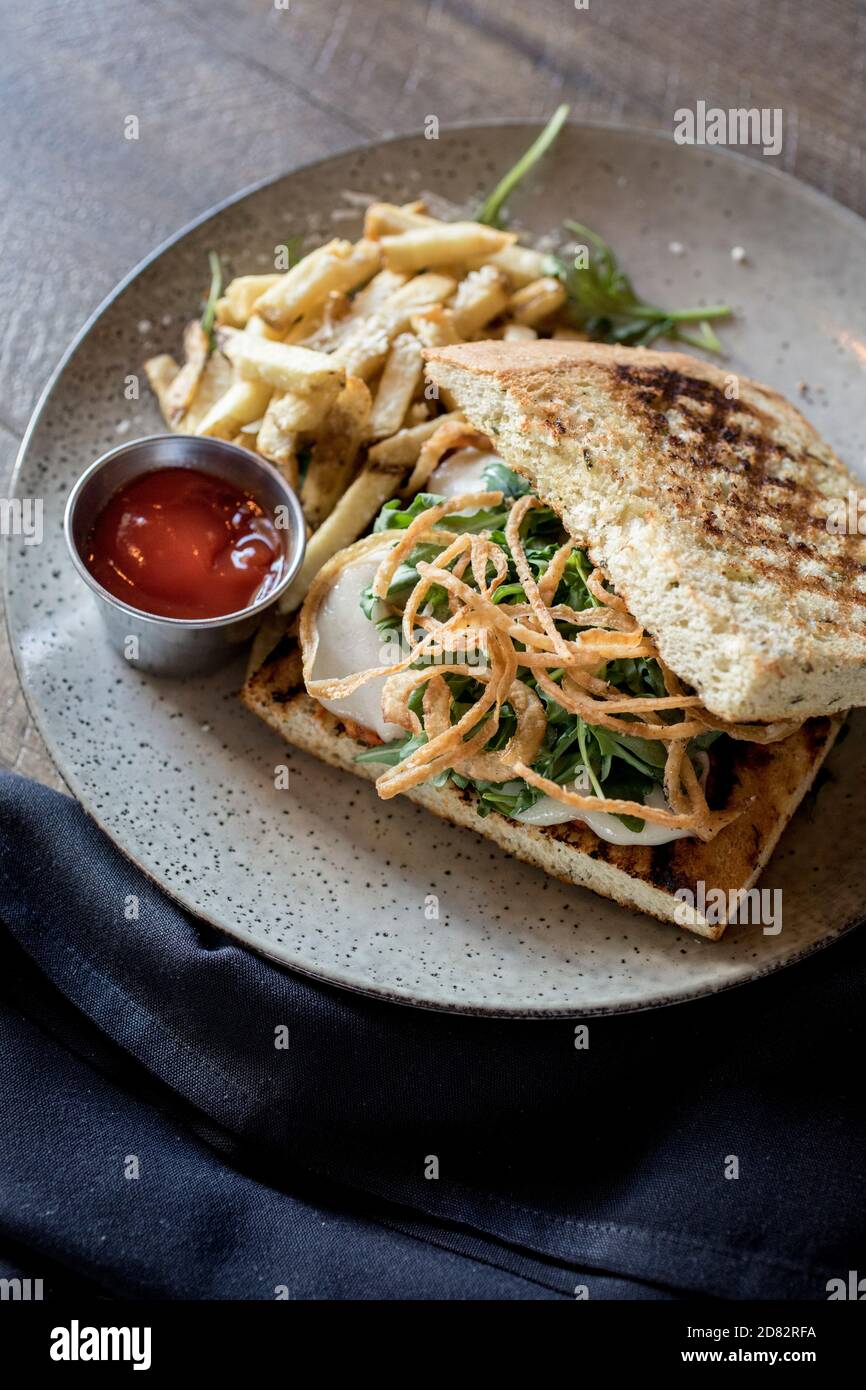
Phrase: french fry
pixel 215 381
pixel 337 266
pixel 377 292
pixel 335 451
pixel 521 264
pixel 404 447
pixel 323 330
pixel 420 292
pixel 570 335
pixel 435 327
pixel 446 243
pixel 303 333
pixel 362 306
pixel 350 518
pixel 482 296
pixel 240 297
pixel 518 333
pixel 161 372
pixel 397 386
pixel 178 396
pixel 364 349
pixel 537 301
pixel 270 631
pixel 387 219
pixel 242 403
pixel 281 365
pixel 259 329
pixel 278 445
pixel 303 411
pixel 417 414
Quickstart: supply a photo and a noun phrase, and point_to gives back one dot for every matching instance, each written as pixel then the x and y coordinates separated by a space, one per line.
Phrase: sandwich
pixel 605 624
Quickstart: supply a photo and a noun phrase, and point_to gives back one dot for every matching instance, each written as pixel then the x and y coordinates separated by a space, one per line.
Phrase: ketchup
pixel 179 543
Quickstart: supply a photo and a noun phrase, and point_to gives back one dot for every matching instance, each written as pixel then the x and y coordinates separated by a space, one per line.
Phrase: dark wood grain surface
pixel 228 92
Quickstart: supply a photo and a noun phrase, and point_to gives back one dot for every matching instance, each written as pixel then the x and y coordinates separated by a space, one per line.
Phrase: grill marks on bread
pixel 769 491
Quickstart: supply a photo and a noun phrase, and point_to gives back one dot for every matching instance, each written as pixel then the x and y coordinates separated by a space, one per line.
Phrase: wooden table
pixel 231 91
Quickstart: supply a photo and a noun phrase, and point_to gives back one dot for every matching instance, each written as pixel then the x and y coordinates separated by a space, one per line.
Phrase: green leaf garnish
pixel 389 754
pixel 395 517
pixel 492 206
pixel 498 477
pixel 604 303
pixel 216 289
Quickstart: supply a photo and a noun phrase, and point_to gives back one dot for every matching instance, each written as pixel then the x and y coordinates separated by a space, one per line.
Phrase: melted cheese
pixel 549 811
pixel 349 642
pixel 462 471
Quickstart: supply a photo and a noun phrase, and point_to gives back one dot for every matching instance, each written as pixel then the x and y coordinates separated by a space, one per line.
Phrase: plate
pixel 322 876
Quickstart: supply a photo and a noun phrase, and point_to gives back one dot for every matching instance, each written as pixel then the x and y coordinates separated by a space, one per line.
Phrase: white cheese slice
pixel 549 811
pixel 462 471
pixel 349 642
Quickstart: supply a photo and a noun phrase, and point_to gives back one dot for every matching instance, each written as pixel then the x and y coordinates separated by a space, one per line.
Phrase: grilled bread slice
pixel 704 497
pixel 768 781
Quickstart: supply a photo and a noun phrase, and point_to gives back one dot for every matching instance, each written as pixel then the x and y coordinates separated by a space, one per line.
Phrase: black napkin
pixel 185 1119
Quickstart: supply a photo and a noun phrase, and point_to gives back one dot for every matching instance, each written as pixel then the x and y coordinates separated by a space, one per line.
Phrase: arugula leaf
pixel 490 210
pixel 640 677
pixel 603 301
pixel 626 786
pixel 389 622
pixel 395 517
pixel 216 289
pixel 498 477
pixel 391 753
pixel 587 761
pixel 505 797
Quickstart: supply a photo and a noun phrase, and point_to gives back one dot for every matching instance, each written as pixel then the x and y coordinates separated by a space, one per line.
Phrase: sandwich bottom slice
pixel 670 881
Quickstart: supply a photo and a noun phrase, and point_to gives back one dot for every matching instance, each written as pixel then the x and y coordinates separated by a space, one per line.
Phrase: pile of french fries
pixel 319 369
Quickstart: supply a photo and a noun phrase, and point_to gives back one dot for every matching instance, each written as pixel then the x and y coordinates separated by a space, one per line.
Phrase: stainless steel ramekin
pixel 181 646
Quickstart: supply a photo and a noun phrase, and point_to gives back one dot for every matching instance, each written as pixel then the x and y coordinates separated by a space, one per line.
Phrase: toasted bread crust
pixel 705 498
pixel 768 782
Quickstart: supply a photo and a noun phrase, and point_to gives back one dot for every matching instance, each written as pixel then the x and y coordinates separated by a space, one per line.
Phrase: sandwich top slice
pixel 714 508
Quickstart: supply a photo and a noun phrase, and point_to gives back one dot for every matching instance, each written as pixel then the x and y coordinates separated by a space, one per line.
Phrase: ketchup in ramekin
pixel 181 543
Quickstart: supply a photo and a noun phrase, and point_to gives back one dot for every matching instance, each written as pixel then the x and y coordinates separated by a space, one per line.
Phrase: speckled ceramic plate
pixel 324 877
